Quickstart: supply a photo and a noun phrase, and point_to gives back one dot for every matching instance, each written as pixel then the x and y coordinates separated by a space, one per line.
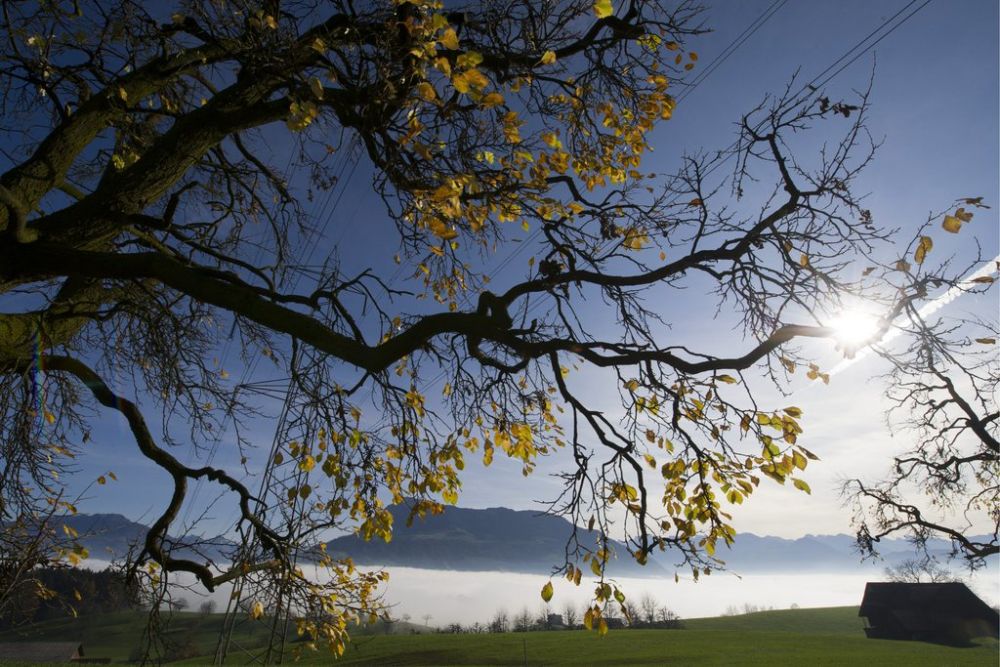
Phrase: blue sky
pixel 935 104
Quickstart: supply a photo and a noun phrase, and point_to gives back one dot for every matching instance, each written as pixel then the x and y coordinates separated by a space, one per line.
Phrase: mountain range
pixel 501 539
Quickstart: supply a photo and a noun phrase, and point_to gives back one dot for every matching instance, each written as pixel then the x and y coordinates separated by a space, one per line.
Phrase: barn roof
pixel 914 600
pixel 945 612
pixel 40 651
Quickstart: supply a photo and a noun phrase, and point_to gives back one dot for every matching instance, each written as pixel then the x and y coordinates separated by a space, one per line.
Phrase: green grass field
pixel 832 636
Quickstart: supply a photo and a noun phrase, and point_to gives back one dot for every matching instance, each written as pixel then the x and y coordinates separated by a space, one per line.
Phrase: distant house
pixel 555 622
pixel 614 623
pixel 41 652
pixel 946 613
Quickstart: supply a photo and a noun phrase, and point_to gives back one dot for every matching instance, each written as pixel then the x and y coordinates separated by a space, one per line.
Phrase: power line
pixel 737 42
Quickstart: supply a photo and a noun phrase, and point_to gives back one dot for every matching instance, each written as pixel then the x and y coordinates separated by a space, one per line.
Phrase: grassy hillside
pixel 829 620
pixel 118 634
pixel 831 636
pixel 655 647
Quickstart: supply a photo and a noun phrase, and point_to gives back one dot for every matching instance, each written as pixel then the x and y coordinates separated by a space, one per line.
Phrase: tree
pixel 669 619
pixel 500 621
pixel 143 224
pixel 207 607
pixel 916 571
pixel 647 605
pixel 523 621
pixel 570 615
pixel 942 383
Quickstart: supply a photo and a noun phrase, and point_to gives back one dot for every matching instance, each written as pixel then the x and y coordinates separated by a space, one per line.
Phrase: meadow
pixel 825 636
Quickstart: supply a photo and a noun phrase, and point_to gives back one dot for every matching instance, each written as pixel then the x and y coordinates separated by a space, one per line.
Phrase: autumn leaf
pixel 603 9
pixel 635 238
pixel 548 58
pixel 923 247
pixel 449 39
pixel 987 341
pixel 951 224
pixel 801 485
pixel 316 86
pixel 547 591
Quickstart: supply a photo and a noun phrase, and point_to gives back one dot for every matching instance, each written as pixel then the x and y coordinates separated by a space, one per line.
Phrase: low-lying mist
pixel 466 597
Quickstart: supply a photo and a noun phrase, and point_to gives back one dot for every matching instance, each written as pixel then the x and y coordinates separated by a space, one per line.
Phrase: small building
pixel 614 622
pixel 554 622
pixel 946 613
pixel 40 652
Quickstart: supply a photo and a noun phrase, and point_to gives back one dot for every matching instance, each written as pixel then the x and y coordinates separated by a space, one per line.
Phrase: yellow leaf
pixel 316 86
pixel 449 39
pixel 491 100
pixel 602 627
pixel 307 464
pixel 588 619
pixel 635 238
pixel 603 9
pixel 951 224
pixel 987 341
pixel 804 260
pixel 802 486
pixel 547 591
pixel 923 247
pixel 101 480
pixel 257 610
pixel 793 411
pixel 548 58
pixel 728 379
pixel 426 91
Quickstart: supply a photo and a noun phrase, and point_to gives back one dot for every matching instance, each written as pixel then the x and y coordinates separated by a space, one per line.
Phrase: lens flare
pixel 854 327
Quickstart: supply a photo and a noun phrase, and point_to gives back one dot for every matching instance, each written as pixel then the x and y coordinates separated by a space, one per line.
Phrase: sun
pixel 854 327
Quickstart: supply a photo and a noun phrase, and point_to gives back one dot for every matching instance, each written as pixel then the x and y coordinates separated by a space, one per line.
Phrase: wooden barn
pixel 947 613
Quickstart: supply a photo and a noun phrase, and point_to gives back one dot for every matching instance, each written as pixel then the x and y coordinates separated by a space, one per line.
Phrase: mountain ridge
pixel 507 540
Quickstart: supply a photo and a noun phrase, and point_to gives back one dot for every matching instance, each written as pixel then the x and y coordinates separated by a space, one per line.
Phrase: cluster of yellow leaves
pixel 301 113
pixel 346 596
pixel 510 179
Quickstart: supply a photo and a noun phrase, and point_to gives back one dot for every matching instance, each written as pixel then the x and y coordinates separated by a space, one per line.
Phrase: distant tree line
pixel 57 591
pixel 647 613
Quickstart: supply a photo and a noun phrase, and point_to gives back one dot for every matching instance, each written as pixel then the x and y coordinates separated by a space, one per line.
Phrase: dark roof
pixel 917 599
pixel 945 612
pixel 40 651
